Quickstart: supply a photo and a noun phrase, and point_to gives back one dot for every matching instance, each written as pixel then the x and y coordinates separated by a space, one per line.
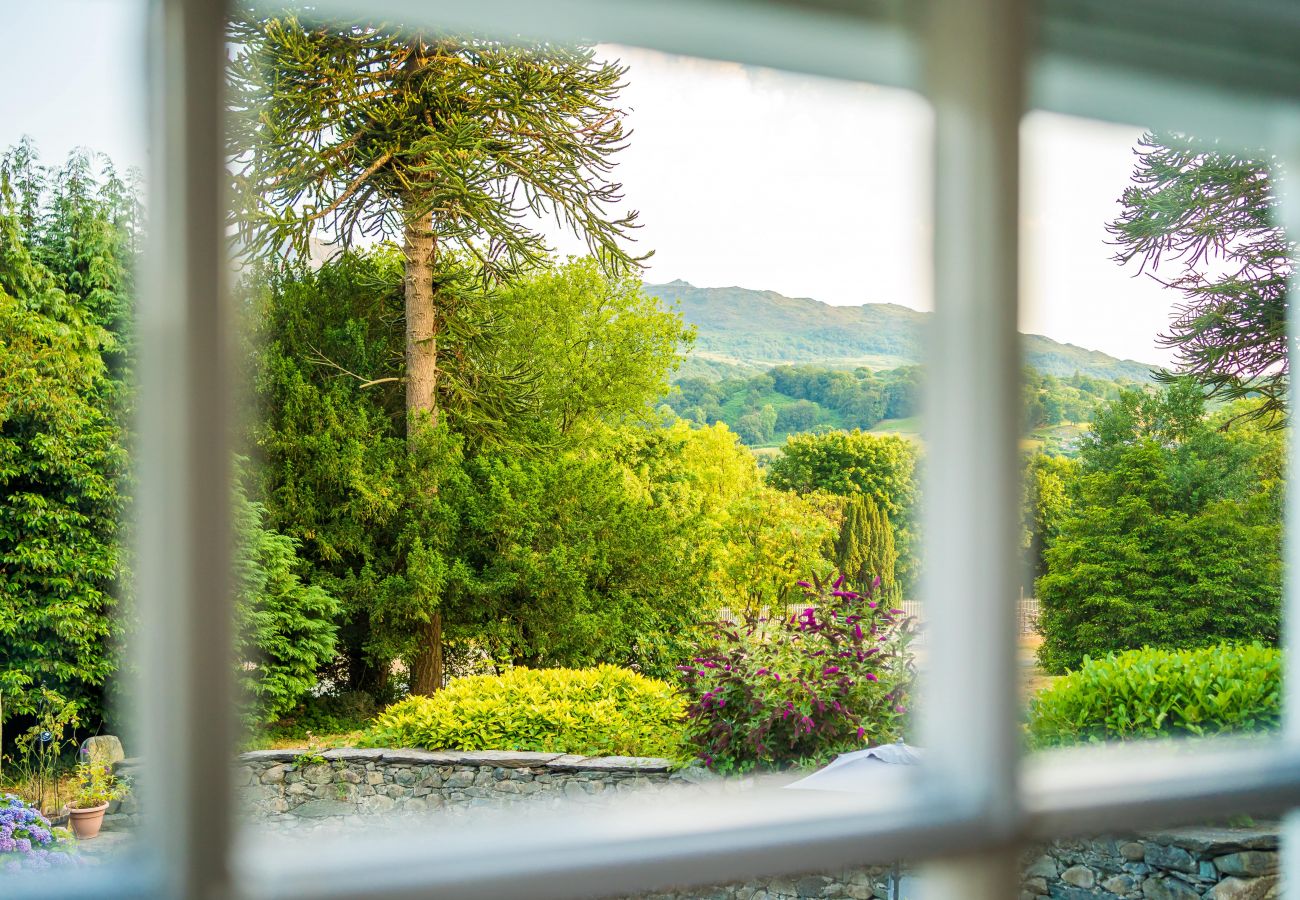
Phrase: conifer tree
pixel 865 549
pixel 454 146
pixel 62 444
pixel 1204 220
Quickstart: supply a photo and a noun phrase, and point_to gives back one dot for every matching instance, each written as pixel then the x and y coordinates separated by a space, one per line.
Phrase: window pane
pixel 531 519
pixel 1154 450
pixel 72 215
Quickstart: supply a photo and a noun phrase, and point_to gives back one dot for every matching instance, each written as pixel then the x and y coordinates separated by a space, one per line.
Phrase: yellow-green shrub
pixel 1160 693
pixel 592 712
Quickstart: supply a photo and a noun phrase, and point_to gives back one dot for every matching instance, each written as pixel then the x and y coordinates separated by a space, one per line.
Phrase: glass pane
pixel 72 221
pixel 530 518
pixel 1154 450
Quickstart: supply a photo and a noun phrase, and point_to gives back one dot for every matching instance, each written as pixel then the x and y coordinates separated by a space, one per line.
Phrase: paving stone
pixel 1069 892
pixel 350 755
pixel 274 775
pixel 1120 884
pixel 271 756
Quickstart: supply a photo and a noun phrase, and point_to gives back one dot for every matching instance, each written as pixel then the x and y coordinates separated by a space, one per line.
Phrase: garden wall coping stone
pixel 506 759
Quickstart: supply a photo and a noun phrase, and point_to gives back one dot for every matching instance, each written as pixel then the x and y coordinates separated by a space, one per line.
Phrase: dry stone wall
pixel 282 784
pixel 1213 863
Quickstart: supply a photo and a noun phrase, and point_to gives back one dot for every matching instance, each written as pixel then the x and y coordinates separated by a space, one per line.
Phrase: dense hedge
pixel 592 712
pixel 1156 693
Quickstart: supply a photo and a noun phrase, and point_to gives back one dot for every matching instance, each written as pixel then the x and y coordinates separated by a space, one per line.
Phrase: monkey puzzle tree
pixel 1213 214
pixel 455 146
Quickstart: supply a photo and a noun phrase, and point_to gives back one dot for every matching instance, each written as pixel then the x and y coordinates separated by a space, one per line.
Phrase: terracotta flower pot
pixel 85 823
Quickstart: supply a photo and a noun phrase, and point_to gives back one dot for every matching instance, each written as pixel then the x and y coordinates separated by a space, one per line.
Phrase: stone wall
pixel 1216 863
pixel 283 784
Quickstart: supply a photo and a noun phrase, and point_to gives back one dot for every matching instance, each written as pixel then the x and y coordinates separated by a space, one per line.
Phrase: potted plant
pixel 97 786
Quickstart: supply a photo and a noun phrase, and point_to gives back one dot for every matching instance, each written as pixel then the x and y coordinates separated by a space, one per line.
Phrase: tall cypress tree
pixel 454 146
pixel 864 550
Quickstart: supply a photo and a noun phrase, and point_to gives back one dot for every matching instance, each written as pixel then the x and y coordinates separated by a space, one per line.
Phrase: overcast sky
pixel 743 176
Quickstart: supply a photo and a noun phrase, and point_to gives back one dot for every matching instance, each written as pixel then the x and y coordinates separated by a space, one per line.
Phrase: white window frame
pixel 979 802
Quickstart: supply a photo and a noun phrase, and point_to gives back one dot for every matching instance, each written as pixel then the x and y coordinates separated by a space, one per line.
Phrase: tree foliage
pixel 284 629
pixel 848 463
pixel 1173 539
pixel 1211 215
pixel 536 548
pixel 68 239
pixel 595 348
pixel 864 549
pixel 1047 482
pixel 457 145
pixel 62 442
pixel 361 130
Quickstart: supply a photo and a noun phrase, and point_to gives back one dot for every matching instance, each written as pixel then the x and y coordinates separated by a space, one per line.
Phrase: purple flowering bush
pixel 772 692
pixel 27 841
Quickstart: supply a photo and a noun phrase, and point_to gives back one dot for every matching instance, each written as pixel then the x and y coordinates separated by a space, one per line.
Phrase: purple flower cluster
pixel 829 676
pixel 26 839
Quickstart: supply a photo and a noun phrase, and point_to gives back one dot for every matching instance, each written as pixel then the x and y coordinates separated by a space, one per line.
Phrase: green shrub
pixel 1159 693
pixel 593 712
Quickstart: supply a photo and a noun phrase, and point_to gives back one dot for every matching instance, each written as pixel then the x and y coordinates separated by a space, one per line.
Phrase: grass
pixel 909 427
pixel 297 740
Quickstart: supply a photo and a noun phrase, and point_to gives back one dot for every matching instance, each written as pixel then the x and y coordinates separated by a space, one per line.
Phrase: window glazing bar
pixel 861 41
pixel 184 697
pixel 970 707
pixel 1286 146
pixel 644 845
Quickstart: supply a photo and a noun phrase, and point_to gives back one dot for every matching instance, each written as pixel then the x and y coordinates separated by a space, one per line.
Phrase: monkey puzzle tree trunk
pixel 421 327
pixel 422 407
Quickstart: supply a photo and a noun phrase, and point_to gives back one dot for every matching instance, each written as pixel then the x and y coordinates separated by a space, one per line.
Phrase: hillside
pixel 743 331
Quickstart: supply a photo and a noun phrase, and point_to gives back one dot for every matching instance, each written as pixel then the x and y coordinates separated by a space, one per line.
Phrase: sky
pixel 742 176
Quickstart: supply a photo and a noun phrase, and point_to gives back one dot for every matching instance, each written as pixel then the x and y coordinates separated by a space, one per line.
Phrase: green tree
pixel 768 541
pixel 1212 216
pixel 572 559
pixel 1047 484
pixel 846 463
pixel 62 461
pixel 68 240
pixel 758 426
pixel 284 629
pixel 864 549
pixel 1173 540
pixel 508 546
pixel 332 455
pixel 595 346
pixel 453 145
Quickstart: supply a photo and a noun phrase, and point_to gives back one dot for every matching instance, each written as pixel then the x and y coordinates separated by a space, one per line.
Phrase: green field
pixel 909 427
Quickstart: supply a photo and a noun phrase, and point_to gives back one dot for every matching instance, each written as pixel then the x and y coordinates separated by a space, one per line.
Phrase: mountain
pixel 741 331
